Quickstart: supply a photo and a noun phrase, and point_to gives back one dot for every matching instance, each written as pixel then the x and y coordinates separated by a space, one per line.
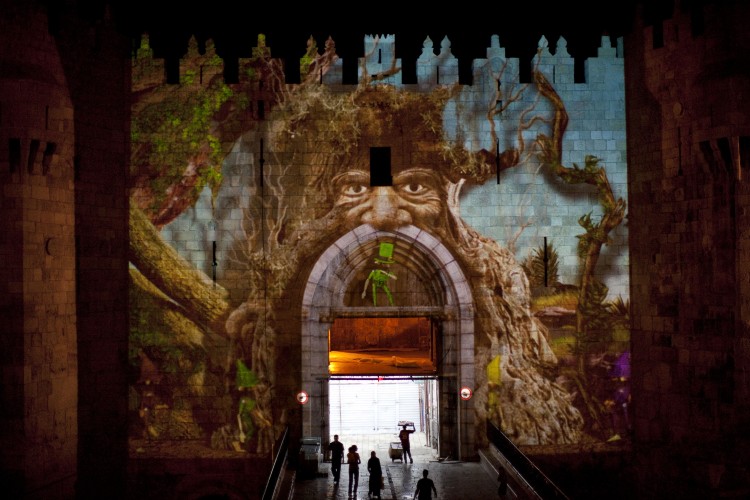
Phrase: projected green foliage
pixel 175 138
pixel 542 265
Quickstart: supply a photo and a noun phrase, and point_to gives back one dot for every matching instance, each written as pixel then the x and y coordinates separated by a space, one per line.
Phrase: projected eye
pixel 351 186
pixel 416 183
pixel 414 188
pixel 354 190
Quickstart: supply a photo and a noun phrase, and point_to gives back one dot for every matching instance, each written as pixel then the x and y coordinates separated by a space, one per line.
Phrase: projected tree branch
pixel 590 293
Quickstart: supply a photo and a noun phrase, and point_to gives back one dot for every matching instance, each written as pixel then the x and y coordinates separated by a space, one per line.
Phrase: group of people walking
pixel 336 448
pixel 425 486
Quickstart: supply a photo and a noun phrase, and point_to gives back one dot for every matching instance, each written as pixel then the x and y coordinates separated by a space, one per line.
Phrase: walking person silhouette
pixel 376 475
pixel 336 448
pixel 425 487
pixel 403 435
pixel 352 458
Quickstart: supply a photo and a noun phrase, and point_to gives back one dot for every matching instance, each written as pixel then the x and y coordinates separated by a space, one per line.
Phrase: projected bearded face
pixel 416 197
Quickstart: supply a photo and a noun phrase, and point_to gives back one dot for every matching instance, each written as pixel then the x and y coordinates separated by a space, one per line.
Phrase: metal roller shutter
pixel 372 407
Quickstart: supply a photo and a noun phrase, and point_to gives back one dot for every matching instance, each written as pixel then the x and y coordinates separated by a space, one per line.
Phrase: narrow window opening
pixel 14 154
pixel 380 56
pixel 726 154
pixel 33 150
pixel 708 156
pixel 261 110
pixel 717 154
pixel 658 32
pixel 744 154
pixel 380 166
pixel 49 152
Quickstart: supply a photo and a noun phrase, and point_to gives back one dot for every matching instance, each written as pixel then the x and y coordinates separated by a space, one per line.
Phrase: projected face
pixel 416 197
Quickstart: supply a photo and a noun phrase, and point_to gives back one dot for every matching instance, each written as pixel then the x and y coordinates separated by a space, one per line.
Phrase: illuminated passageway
pixel 453 480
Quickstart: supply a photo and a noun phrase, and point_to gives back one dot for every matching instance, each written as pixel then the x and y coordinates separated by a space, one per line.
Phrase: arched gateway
pixel 431 283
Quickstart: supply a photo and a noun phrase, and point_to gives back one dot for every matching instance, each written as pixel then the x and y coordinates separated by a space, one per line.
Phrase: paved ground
pixel 453 480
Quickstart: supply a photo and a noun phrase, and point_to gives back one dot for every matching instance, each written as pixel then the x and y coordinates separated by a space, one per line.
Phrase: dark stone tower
pixel 38 308
pixel 64 114
pixel 688 129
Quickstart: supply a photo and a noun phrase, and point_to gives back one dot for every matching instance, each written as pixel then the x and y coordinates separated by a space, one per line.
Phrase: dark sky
pixel 234 25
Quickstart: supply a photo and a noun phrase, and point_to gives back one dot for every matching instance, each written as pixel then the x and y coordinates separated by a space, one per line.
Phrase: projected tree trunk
pixel 172 274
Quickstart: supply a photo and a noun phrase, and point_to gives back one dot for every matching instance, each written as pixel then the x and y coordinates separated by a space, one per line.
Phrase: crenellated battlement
pixel 708 125
pixel 710 28
pixel 435 66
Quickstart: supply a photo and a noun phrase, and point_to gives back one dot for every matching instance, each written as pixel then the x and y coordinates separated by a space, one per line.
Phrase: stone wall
pixel 38 308
pixel 64 114
pixel 688 133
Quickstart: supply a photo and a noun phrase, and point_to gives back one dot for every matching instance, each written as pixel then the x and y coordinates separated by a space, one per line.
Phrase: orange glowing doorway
pixel 383 346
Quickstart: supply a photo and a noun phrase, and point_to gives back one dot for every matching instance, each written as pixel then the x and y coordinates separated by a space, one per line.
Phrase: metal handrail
pixel 278 463
pixel 535 478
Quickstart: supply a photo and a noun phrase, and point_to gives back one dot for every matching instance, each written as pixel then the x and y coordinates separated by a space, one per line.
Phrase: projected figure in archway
pixel 380 277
